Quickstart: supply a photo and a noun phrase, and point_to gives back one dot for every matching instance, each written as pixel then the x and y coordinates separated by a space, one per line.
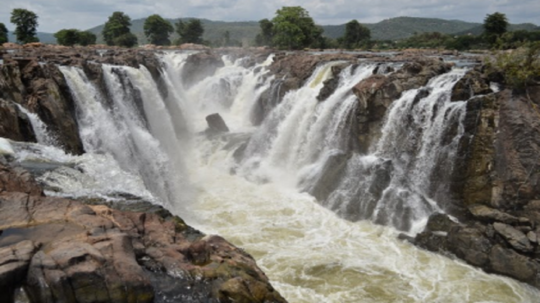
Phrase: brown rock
pixel 516 238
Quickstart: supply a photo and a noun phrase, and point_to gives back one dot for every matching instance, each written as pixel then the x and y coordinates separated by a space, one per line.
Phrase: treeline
pixel 291 28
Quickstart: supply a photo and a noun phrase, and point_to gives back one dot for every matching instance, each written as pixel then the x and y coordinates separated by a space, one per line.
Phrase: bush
pixel 520 67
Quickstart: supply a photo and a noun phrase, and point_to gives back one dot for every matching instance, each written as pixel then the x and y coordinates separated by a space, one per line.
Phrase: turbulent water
pixel 152 145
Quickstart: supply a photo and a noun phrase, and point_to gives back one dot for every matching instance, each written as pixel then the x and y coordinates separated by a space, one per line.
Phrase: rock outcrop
pixel 376 93
pixel 61 250
pixel 495 184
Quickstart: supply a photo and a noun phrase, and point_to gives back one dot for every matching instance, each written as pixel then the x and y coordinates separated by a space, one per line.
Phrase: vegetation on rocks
pixel 157 30
pixel 3 34
pixel 70 37
pixel 117 32
pixel 26 24
pixel 520 68
pixel 189 32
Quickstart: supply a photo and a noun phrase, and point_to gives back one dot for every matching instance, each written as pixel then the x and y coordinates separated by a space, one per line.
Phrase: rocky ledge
pixel 61 250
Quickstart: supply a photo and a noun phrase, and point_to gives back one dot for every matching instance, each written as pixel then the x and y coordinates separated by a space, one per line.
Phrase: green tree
pixel 355 35
pixel 293 28
pixel 494 26
pixel 26 24
pixel 190 32
pixel 157 30
pixel 87 38
pixel 264 38
pixel 116 31
pixel 67 37
pixel 3 34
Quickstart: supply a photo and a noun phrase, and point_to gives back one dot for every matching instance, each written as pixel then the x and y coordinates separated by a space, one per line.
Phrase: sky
pixel 54 15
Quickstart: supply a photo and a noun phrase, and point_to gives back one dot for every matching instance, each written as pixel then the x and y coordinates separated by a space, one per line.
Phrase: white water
pixel 43 134
pixel 309 253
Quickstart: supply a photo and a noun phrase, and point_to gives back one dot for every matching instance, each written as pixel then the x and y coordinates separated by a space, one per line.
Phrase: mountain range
pixel 245 32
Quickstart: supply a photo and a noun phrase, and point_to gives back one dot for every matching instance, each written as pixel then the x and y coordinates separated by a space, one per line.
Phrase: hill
pixel 404 27
pixel 243 32
pixel 478 30
pixel 43 37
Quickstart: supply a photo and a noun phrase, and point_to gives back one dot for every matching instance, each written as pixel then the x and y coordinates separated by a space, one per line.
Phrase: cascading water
pixel 309 253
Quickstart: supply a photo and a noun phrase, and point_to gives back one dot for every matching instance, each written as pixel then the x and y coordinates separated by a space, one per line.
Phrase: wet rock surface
pixel 61 250
pixel 496 184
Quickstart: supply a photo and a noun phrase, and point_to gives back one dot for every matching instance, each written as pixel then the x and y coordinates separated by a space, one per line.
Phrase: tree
pixel 116 31
pixel 87 38
pixel 67 37
pixel 70 37
pixel 157 30
pixel 3 34
pixel 26 24
pixel 293 28
pixel 264 38
pixel 355 35
pixel 190 32
pixel 494 26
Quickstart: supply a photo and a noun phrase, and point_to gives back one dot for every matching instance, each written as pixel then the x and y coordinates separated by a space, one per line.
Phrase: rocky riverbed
pixel 490 200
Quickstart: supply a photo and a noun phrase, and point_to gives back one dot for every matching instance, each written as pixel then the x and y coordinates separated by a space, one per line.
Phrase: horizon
pixel 89 14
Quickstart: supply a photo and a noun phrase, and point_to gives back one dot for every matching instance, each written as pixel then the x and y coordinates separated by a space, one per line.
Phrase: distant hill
pixel 245 32
pixel 43 37
pixel 404 27
pixel 213 30
pixel 478 30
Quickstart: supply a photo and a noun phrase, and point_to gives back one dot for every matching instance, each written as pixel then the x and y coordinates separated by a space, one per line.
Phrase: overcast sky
pixel 54 15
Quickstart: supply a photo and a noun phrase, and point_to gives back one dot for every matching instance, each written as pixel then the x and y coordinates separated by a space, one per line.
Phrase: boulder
pixel 516 238
pixel 216 124
pixel 199 66
pixel 472 84
pixel 14 261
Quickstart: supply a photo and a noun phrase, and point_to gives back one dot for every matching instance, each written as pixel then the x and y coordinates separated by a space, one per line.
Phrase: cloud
pixel 58 14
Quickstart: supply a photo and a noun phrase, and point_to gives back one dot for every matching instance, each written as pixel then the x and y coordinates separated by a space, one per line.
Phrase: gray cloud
pixel 83 14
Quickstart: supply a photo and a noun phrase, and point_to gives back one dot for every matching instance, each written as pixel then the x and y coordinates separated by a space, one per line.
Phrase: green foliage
pixel 264 38
pixel 26 24
pixel 356 35
pixel 67 37
pixel 465 42
pixel 190 32
pixel 157 30
pixel 3 34
pixel 125 40
pixel 495 25
pixel 87 38
pixel 520 67
pixel 293 28
pixel 116 31
pixel 70 37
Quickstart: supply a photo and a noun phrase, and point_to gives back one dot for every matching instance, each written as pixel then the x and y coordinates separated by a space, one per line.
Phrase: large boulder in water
pixel 199 66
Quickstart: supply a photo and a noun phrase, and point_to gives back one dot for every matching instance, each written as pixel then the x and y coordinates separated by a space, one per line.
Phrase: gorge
pixel 329 166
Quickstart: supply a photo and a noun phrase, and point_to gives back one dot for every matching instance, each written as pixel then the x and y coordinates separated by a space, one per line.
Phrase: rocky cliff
pixel 64 250
pixel 491 198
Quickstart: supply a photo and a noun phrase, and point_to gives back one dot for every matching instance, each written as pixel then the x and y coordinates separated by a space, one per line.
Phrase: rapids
pixel 152 145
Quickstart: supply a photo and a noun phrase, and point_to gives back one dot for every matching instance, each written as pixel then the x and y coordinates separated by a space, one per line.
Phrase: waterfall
pixel 257 184
pixel 43 134
pixel 118 127
pixel 391 185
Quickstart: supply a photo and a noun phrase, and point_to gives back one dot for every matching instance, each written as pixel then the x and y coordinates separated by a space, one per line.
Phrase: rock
pixel 216 124
pixel 472 84
pixel 516 238
pixel 489 214
pixel 199 66
pixel 508 262
pixel 470 244
pixel 99 254
pixel 14 261
pixel 376 93
pixel 14 124
pixel 440 222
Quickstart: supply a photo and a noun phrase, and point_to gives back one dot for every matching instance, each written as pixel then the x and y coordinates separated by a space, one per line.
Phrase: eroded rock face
pixel 496 182
pixel 62 250
pixel 376 93
pixel 199 66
